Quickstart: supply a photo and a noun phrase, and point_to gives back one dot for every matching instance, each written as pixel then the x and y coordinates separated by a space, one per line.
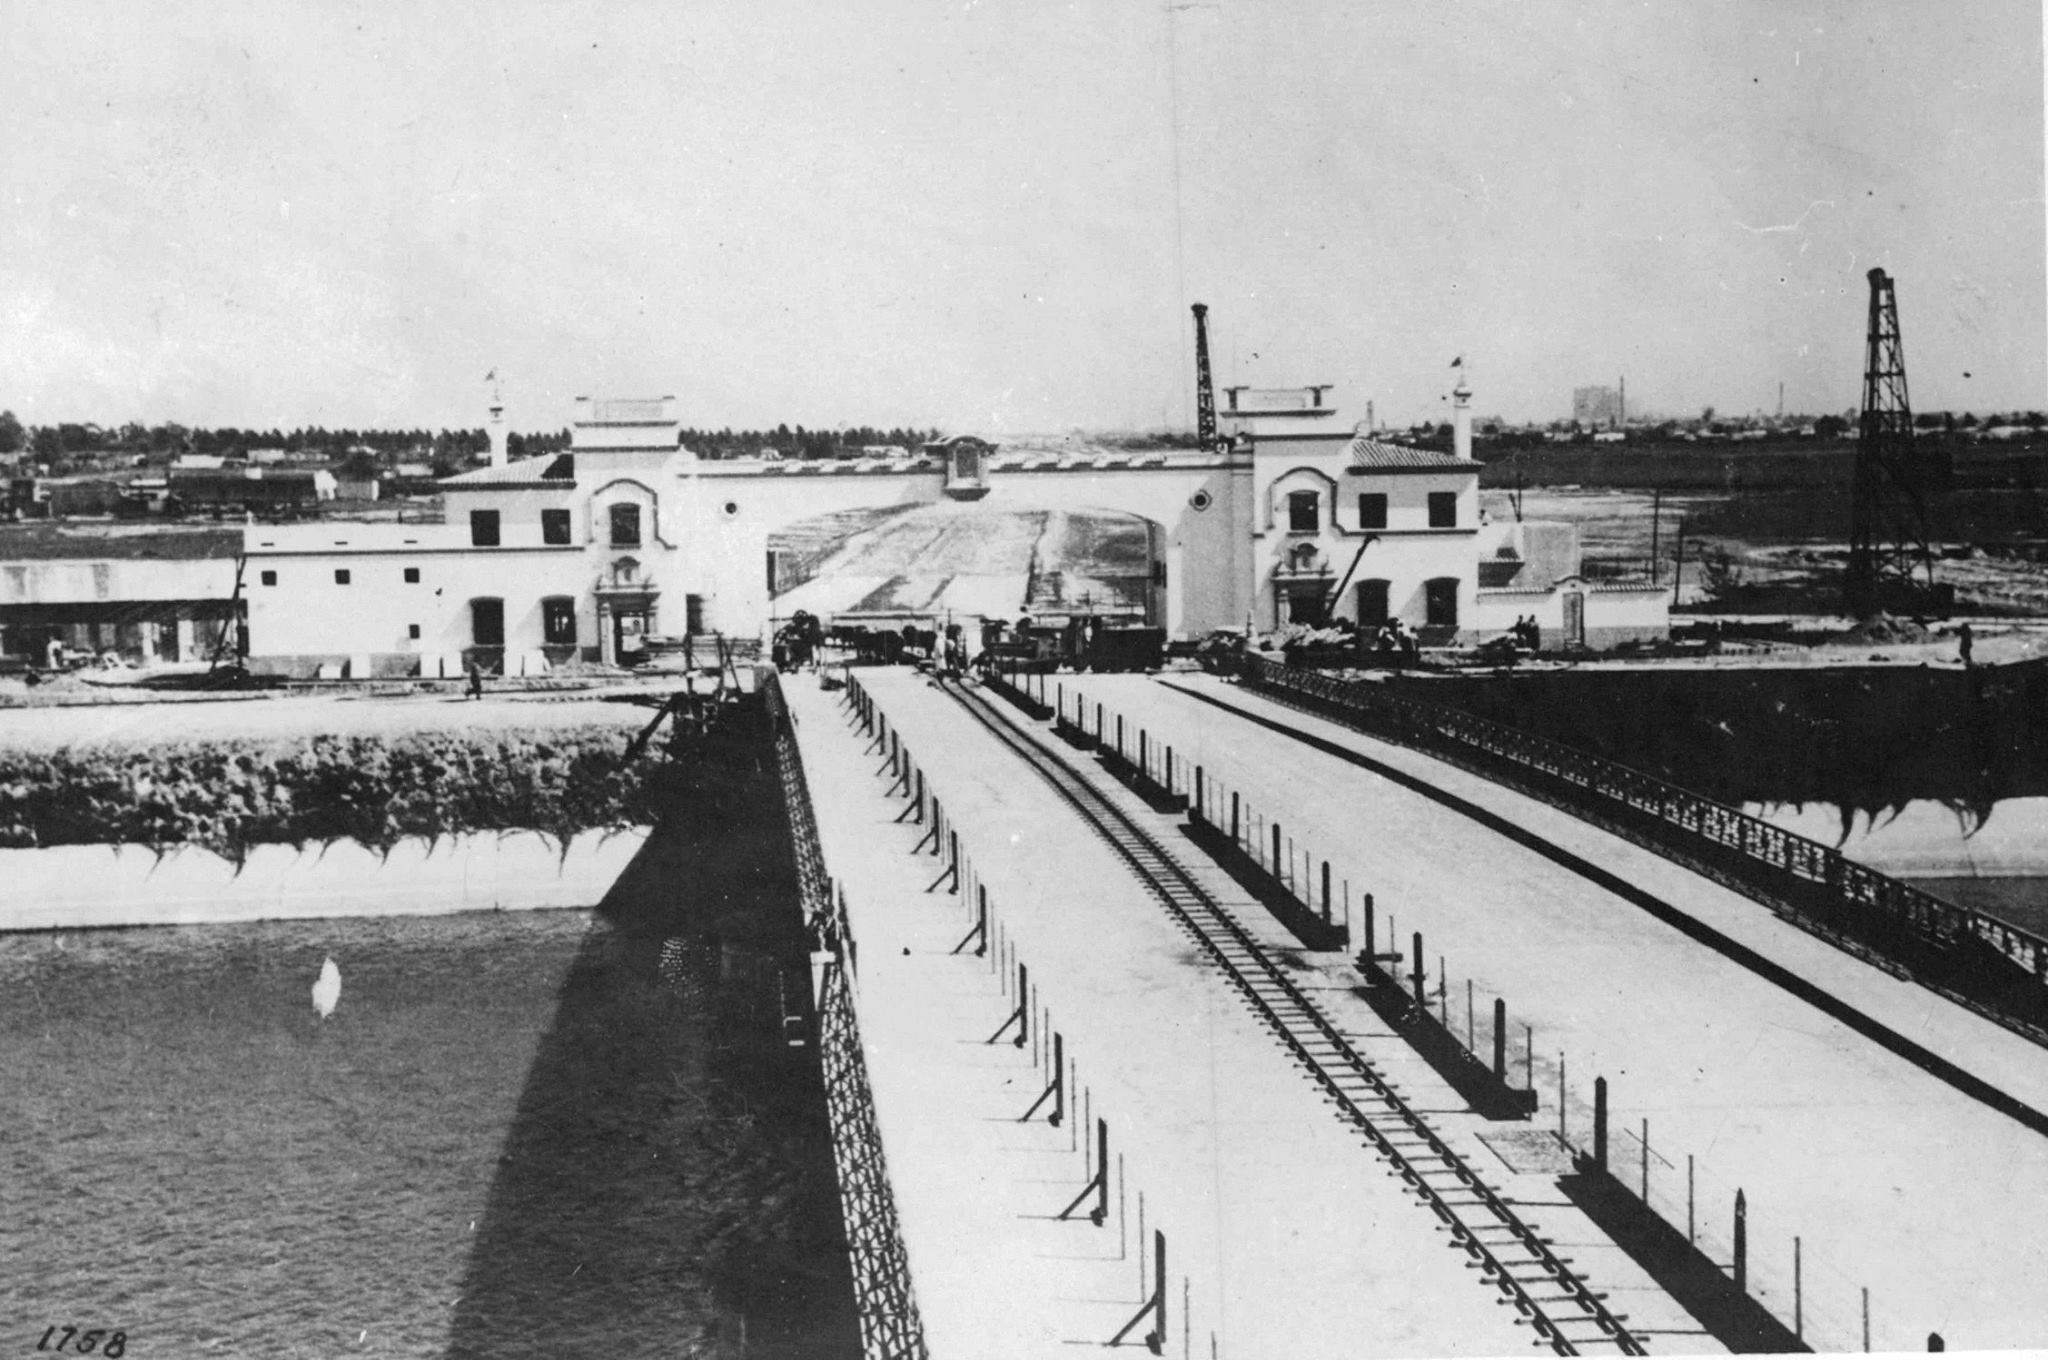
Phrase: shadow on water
pixel 1868 740
pixel 667 1185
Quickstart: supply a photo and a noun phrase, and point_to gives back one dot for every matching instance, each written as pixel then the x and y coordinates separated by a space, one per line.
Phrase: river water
pixel 1938 776
pixel 514 1136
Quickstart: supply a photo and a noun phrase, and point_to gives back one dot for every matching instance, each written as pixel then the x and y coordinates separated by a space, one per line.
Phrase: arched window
pixel 558 620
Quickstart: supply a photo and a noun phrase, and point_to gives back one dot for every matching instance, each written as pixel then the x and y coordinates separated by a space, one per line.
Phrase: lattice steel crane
pixel 1891 562
pixel 1205 390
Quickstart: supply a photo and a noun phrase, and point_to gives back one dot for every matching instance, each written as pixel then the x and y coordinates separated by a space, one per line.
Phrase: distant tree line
pixel 798 442
pixel 71 448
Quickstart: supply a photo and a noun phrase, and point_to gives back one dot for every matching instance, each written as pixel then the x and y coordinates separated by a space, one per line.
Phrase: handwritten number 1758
pixel 88 1342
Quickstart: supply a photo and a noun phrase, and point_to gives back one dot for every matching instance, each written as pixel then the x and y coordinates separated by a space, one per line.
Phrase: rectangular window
pixel 412 630
pixel 412 576
pixel 270 578
pixel 558 621
pixel 554 526
pixel 1304 512
pixel 1372 603
pixel 1440 601
pixel 341 576
pixel 1443 509
pixel 1372 510
pixel 693 614
pixel 487 622
pixel 625 525
pixel 483 528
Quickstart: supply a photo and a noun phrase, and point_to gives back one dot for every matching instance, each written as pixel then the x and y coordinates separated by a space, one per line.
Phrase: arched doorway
pixel 957 560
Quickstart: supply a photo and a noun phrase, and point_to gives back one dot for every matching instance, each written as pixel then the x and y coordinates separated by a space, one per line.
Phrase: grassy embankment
pixel 227 791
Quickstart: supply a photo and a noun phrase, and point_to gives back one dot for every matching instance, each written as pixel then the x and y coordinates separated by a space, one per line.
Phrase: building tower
pixel 1890 561
pixel 496 429
pixel 1461 418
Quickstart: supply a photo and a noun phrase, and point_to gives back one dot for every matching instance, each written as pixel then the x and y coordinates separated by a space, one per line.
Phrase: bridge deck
pixel 1286 1233
pixel 1894 1178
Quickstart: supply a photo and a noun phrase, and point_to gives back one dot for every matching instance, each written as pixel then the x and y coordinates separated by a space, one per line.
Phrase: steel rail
pixel 1469 1207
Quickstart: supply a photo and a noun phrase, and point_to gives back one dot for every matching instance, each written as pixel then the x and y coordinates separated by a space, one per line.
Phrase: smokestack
pixel 1461 419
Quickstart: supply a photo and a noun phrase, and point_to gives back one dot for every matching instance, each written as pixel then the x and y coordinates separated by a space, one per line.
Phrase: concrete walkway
pixel 1287 1236
pixel 1891 1178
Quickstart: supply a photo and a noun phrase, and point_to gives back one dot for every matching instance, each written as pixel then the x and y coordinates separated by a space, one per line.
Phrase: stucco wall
pixel 1406 553
pixel 69 580
pixel 308 613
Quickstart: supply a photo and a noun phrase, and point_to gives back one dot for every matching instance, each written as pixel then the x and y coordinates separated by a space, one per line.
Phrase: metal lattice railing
pixel 889 1323
pixel 1998 966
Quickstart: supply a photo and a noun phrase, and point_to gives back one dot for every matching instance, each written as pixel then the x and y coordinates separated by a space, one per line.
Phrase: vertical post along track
pixel 1503 1247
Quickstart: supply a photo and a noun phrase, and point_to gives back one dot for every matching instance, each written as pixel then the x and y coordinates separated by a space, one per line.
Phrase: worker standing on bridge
pixel 1965 643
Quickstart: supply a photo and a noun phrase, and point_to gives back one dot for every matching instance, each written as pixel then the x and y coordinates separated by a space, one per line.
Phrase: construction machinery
pixel 1205 390
pixel 1891 561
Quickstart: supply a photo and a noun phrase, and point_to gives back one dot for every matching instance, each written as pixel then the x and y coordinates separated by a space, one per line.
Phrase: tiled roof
pixel 1370 453
pixel 525 470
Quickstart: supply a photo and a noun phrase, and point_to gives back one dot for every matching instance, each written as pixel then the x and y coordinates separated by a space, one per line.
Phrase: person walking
pixel 476 679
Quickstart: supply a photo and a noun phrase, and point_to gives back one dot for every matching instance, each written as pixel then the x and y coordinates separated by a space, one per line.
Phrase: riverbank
pixel 70 887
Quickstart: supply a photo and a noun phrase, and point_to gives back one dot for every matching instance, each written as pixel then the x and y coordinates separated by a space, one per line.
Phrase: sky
pixel 992 217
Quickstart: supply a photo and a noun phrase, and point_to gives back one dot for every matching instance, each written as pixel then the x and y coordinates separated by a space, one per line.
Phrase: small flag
pixel 491 376
pixel 1458 362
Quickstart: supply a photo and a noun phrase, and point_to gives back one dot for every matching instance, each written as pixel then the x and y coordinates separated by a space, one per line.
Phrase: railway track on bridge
pixel 1546 1293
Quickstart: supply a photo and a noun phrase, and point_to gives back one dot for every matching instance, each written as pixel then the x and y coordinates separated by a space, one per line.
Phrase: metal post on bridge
pixel 1276 854
pixel 1234 840
pixel 978 935
pixel 1201 808
pixel 1326 892
pixel 1098 1184
pixel 1420 998
pixel 1500 1040
pixel 1056 1091
pixel 1021 1017
pixel 1741 1243
pixel 1154 1305
pixel 1600 1123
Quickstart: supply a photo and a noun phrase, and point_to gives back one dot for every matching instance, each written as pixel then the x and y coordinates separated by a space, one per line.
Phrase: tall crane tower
pixel 1891 563
pixel 1205 391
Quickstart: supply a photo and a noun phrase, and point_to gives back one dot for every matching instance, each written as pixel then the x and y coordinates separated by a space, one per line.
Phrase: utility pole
pixel 1656 523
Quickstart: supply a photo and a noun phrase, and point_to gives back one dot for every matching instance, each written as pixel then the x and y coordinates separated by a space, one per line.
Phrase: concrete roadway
pixel 1288 1236
pixel 1894 1179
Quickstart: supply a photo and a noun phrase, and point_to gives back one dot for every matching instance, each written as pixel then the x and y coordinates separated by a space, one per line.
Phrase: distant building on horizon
pixel 1597 407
